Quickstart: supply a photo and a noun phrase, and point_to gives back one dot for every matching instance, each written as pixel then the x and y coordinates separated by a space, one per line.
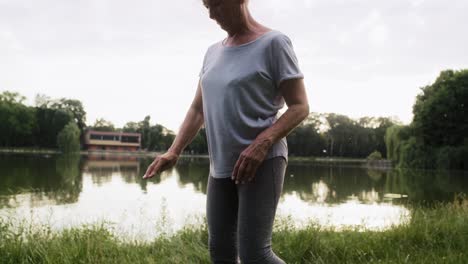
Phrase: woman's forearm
pixel 293 116
pixel 188 130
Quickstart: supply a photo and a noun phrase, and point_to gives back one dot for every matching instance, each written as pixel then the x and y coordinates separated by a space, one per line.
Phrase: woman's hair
pixel 207 2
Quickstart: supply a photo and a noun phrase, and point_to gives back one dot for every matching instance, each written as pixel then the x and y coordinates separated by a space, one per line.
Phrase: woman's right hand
pixel 161 163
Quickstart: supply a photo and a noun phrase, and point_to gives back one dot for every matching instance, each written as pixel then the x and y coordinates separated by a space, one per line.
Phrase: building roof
pixel 113 133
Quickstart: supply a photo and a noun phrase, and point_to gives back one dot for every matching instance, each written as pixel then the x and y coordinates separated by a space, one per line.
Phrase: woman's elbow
pixel 304 111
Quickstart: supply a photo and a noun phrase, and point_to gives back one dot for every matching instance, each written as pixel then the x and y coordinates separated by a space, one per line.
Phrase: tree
pixel 306 139
pixel 68 140
pixel 199 144
pixel 42 100
pixel 49 123
pixel 17 121
pixel 103 125
pixel 130 127
pixel 438 135
pixel 440 111
pixel 75 107
pixel 144 130
pixel 340 135
pixel 394 138
pixel 12 97
pixel 383 124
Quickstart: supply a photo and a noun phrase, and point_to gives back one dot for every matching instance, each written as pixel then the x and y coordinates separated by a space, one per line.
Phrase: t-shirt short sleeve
pixel 202 70
pixel 284 63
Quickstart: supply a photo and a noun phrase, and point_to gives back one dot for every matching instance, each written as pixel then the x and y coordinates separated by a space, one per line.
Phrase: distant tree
pixel 68 140
pixel 75 107
pixel 17 121
pixel 131 127
pixel 383 123
pixel 12 97
pixel 306 139
pixel 340 135
pixel 42 100
pixel 103 125
pixel 199 144
pixel 394 138
pixel 153 137
pixel 144 130
pixel 167 139
pixel 49 123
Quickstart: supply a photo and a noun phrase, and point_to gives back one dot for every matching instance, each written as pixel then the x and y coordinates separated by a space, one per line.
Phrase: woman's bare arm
pixel 191 125
pixel 189 129
pixel 295 96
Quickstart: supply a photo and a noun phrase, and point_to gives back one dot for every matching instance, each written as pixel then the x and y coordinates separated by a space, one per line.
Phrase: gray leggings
pixel 240 217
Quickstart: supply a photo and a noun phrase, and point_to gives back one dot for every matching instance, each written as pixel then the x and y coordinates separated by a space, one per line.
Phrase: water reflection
pixel 70 190
pixel 425 186
pixel 351 214
pixel 56 180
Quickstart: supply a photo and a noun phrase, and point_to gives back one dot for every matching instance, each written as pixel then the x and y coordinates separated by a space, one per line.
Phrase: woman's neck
pixel 247 30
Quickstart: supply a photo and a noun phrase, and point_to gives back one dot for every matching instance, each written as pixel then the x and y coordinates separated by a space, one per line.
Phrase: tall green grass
pixel 436 234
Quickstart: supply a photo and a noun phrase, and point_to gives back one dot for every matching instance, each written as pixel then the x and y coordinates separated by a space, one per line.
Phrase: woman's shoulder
pixel 273 38
pixel 214 45
pixel 277 37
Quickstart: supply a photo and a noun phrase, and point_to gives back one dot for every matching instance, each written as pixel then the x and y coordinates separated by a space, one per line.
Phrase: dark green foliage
pixel 75 107
pixel 17 121
pixel 306 139
pixel 153 137
pixel 199 144
pixel 319 135
pixel 338 135
pixel 414 154
pixel 440 116
pixel 394 137
pixel 24 126
pixel 49 124
pixel 452 157
pixel 62 184
pixel 102 125
pixel 68 140
pixel 438 136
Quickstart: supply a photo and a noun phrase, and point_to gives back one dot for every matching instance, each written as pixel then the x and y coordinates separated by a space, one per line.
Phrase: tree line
pixel 60 123
pixel 49 124
pixel 436 138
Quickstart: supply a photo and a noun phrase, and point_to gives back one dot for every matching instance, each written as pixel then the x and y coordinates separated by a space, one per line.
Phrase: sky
pixel 125 60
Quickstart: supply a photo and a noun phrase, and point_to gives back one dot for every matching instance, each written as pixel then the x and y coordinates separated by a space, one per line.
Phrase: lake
pixel 68 191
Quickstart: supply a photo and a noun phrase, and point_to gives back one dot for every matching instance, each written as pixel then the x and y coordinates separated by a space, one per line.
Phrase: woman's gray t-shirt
pixel 241 97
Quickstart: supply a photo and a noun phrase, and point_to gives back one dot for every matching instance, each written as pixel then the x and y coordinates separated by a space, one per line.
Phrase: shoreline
pixel 352 162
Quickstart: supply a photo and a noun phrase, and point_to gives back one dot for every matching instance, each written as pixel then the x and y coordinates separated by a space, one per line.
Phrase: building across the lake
pixel 114 141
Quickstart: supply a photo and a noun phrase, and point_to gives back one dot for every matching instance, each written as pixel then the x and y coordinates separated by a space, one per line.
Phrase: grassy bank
pixel 30 150
pixel 434 235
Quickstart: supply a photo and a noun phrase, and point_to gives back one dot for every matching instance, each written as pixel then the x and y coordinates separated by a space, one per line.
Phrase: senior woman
pixel 244 81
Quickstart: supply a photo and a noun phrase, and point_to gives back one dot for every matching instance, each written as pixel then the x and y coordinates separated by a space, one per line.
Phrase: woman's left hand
pixel 250 159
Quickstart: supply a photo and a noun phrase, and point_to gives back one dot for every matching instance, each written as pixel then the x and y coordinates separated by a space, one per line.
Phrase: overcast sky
pixel 128 59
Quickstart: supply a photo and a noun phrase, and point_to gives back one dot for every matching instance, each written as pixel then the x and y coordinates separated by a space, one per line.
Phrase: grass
pixel 436 234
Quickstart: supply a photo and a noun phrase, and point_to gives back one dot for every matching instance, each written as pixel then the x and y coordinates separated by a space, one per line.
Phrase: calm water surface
pixel 65 191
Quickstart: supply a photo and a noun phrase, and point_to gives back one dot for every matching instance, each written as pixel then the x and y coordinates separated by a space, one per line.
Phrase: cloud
pixel 9 42
pixel 155 48
pixel 309 3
